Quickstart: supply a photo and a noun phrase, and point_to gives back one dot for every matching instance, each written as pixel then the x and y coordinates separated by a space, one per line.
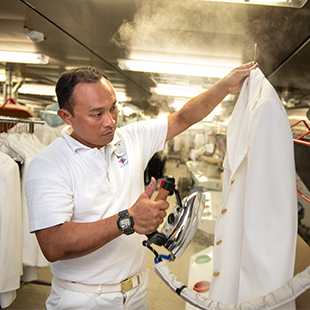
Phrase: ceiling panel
pixel 98 33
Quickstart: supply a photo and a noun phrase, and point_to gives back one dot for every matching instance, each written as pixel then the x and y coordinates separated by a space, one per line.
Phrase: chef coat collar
pixel 237 128
pixel 256 80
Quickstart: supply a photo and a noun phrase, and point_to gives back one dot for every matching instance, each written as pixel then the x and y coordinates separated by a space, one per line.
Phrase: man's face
pixel 95 113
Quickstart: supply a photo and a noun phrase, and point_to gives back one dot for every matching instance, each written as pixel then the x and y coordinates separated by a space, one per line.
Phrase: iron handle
pixel 166 188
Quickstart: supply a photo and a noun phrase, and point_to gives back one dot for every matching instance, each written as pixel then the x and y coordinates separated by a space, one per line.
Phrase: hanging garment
pixel 11 233
pixel 45 134
pixel 42 134
pixel 256 230
pixel 26 146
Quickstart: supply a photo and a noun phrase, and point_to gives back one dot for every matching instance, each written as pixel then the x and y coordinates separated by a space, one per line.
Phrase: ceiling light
pixel 122 97
pixel 178 104
pixel 20 57
pixel 35 89
pixel 204 60
pixel 182 91
pixel 177 90
pixel 287 3
pixel 174 68
pixel 127 111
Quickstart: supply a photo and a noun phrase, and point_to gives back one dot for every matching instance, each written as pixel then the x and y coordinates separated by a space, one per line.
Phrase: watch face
pixel 125 223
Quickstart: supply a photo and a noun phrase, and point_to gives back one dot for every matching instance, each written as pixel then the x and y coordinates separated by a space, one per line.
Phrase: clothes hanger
pixel 3 142
pixel 255 50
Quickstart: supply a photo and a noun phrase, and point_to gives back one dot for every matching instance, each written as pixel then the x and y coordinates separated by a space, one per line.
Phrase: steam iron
pixel 180 225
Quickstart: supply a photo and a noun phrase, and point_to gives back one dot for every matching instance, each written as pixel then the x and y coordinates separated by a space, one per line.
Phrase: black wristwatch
pixel 125 222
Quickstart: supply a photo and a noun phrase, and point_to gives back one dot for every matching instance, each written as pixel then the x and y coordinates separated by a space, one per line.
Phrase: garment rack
pixel 302 156
pixel 31 121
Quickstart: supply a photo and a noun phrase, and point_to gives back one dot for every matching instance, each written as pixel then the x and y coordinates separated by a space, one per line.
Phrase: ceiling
pixel 98 33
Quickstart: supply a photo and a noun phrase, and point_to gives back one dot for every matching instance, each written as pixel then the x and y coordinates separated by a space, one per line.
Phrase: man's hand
pixel 234 80
pixel 202 105
pixel 147 214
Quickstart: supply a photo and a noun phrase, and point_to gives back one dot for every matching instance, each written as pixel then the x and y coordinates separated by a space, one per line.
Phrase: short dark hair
pixel 68 80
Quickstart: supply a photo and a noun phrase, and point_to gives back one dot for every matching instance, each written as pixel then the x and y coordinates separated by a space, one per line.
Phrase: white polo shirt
pixel 70 182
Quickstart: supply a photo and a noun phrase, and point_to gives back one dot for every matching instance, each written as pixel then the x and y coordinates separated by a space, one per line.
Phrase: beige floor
pixel 32 296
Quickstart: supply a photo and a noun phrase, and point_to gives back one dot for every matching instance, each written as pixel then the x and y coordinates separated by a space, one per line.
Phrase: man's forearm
pixel 196 109
pixel 200 106
pixel 72 240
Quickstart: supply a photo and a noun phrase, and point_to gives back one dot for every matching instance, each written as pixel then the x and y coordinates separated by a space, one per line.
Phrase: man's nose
pixel 108 120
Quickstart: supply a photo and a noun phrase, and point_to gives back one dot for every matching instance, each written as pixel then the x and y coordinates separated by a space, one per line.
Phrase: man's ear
pixel 65 115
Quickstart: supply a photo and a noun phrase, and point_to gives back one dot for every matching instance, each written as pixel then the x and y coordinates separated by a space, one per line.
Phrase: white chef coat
pixel 45 133
pixel 256 230
pixel 10 230
pixel 26 146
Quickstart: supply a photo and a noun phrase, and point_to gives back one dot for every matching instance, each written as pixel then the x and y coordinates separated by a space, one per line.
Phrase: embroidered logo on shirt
pixel 123 161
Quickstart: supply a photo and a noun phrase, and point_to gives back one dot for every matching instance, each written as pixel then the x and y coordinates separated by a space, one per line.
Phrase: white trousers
pixel 135 299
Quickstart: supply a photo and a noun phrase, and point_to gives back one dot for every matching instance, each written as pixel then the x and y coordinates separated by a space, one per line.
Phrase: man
pixel 84 191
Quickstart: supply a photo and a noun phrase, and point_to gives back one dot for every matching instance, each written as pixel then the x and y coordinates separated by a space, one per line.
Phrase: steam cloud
pixel 179 27
pixel 198 29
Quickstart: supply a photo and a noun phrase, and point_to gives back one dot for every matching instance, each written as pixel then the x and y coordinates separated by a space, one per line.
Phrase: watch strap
pixel 124 214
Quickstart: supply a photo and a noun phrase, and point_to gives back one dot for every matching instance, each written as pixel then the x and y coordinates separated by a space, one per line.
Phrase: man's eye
pixel 97 115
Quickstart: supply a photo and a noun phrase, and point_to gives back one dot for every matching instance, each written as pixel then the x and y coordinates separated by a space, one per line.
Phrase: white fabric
pixel 68 181
pixel 45 133
pixel 7 298
pixel 136 298
pixel 26 146
pixel 20 253
pixel 259 228
pixel 289 292
pixel 10 230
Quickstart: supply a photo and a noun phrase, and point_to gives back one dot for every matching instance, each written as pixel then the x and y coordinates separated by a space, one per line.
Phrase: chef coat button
pixel 95 153
pixel 216 274
pixel 219 242
pixel 224 211
pixel 232 181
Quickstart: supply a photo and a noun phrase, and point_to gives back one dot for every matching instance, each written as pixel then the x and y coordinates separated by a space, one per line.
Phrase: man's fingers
pixel 151 188
pixel 162 214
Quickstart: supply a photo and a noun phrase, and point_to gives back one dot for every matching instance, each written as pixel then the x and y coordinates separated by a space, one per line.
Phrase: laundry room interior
pixel 193 113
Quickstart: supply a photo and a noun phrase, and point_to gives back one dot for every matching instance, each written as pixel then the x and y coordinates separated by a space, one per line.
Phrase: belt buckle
pixel 126 285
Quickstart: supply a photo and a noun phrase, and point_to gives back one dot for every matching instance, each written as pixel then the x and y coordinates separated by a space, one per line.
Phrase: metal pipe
pixel 16 88
pixel 8 119
pixel 7 86
pixel 290 57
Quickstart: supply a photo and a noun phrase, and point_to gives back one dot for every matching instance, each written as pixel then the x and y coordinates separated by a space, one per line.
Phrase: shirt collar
pixel 76 145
